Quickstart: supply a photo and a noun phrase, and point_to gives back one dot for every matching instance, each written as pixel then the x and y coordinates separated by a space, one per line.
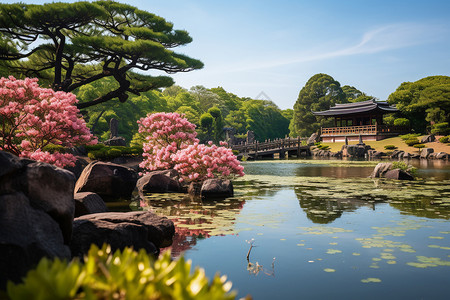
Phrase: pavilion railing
pixel 364 130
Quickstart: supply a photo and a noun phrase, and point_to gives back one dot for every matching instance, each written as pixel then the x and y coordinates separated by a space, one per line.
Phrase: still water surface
pixel 321 230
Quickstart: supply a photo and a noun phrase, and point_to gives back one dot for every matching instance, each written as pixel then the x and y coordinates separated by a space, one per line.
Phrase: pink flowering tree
pixel 32 118
pixel 165 134
pixel 171 143
pixel 199 162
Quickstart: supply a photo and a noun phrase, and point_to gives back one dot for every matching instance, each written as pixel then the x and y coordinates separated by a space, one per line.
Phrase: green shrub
pixel 94 147
pixel 390 147
pixel 440 128
pixel 419 146
pixel 401 122
pixel 52 148
pixel 125 274
pixel 111 152
pixel 409 136
pixel 323 147
pixel 445 139
pixel 404 166
pixel 412 142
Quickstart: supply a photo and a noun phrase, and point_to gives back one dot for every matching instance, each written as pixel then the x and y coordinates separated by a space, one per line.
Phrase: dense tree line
pixel 211 110
pixel 426 103
pixel 101 51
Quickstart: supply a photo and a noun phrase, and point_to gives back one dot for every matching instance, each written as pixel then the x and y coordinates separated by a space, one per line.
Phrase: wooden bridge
pixel 279 147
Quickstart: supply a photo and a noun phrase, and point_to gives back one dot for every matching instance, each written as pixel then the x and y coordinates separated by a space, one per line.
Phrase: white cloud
pixel 377 40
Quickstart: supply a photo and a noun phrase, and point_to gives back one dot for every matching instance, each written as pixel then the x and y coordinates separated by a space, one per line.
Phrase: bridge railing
pixel 268 145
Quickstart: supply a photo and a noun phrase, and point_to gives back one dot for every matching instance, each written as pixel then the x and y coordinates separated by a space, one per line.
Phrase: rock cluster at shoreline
pixel 364 151
pixel 38 208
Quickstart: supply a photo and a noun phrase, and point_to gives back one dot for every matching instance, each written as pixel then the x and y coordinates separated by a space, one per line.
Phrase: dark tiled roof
pixel 357 108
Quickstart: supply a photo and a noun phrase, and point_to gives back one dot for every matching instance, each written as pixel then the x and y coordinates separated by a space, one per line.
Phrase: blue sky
pixel 276 46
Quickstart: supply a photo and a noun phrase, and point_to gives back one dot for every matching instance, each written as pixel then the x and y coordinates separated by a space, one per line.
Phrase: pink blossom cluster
pixel 199 162
pixel 32 117
pixel 165 134
pixel 171 143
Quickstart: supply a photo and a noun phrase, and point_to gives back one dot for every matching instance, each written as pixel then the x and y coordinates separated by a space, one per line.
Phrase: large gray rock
pixel 138 229
pixel 425 152
pixel 358 151
pixel 442 155
pixel 88 203
pixel 428 139
pixel 336 154
pixel 36 212
pixel 375 154
pixel 380 169
pixel 159 182
pixel 27 234
pixel 314 138
pixel 216 188
pixel 116 141
pixel 80 164
pixel 398 175
pixel 48 188
pixel 108 180
pixel 397 154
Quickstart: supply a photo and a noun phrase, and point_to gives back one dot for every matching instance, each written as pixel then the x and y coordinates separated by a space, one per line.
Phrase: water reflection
pixel 194 219
pixel 324 201
pixel 324 211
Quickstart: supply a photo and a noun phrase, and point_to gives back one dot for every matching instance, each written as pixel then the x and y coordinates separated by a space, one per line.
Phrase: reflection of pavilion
pixel 324 211
pixel 193 218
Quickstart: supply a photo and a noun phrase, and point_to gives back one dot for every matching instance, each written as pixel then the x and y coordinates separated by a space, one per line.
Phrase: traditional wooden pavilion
pixel 365 119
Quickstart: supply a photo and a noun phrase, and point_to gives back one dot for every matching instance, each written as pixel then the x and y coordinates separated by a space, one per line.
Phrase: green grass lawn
pixel 396 141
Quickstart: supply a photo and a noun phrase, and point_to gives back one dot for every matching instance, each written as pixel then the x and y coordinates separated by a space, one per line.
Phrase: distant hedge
pixel 102 152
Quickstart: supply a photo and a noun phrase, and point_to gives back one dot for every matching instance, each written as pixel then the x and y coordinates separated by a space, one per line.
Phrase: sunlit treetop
pixel 73 44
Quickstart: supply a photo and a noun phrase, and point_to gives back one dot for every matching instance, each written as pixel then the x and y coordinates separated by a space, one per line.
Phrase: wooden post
pixel 256 150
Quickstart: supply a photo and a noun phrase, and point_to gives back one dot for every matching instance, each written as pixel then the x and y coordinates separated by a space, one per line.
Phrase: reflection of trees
pixel 193 218
pixel 257 188
pixel 421 199
pixel 324 211
pixel 333 171
pixel 431 208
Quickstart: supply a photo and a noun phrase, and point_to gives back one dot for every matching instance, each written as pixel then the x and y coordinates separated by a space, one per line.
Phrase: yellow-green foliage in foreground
pixel 124 274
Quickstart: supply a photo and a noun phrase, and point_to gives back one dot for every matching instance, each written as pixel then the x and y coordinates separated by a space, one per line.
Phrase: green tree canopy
pixel 425 102
pixel 320 93
pixel 262 117
pixel 82 42
pixel 354 95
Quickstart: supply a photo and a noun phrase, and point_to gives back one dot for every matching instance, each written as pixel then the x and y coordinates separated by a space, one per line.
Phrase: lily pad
pixel 367 280
pixel 328 270
pixel 333 251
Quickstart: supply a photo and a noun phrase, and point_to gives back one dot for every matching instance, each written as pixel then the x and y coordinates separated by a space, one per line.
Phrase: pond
pixel 321 229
